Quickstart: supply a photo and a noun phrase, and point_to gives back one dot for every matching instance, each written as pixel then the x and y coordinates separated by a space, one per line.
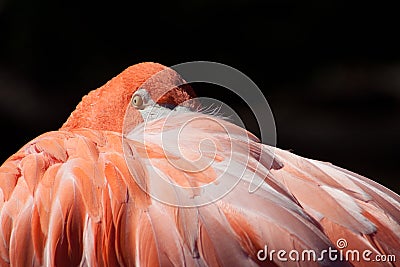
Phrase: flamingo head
pixel 105 107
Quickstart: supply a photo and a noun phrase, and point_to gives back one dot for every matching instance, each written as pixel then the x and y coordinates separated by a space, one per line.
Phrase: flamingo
pixel 89 194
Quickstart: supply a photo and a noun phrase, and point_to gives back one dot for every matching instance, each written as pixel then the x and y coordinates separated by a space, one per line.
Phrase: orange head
pixel 105 107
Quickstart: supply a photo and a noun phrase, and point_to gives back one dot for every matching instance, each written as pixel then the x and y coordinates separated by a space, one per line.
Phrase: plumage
pixel 71 197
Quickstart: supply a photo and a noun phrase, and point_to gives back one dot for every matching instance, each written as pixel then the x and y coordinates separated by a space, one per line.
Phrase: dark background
pixel 329 69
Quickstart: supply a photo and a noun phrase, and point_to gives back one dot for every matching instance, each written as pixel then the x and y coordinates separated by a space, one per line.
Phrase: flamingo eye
pixel 137 101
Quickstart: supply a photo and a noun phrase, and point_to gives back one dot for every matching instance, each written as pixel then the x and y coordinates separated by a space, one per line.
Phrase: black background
pixel 329 69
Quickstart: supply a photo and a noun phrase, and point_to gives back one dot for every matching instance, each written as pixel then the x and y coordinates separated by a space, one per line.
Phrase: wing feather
pixel 63 197
pixel 69 198
pixel 298 202
pixel 346 204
